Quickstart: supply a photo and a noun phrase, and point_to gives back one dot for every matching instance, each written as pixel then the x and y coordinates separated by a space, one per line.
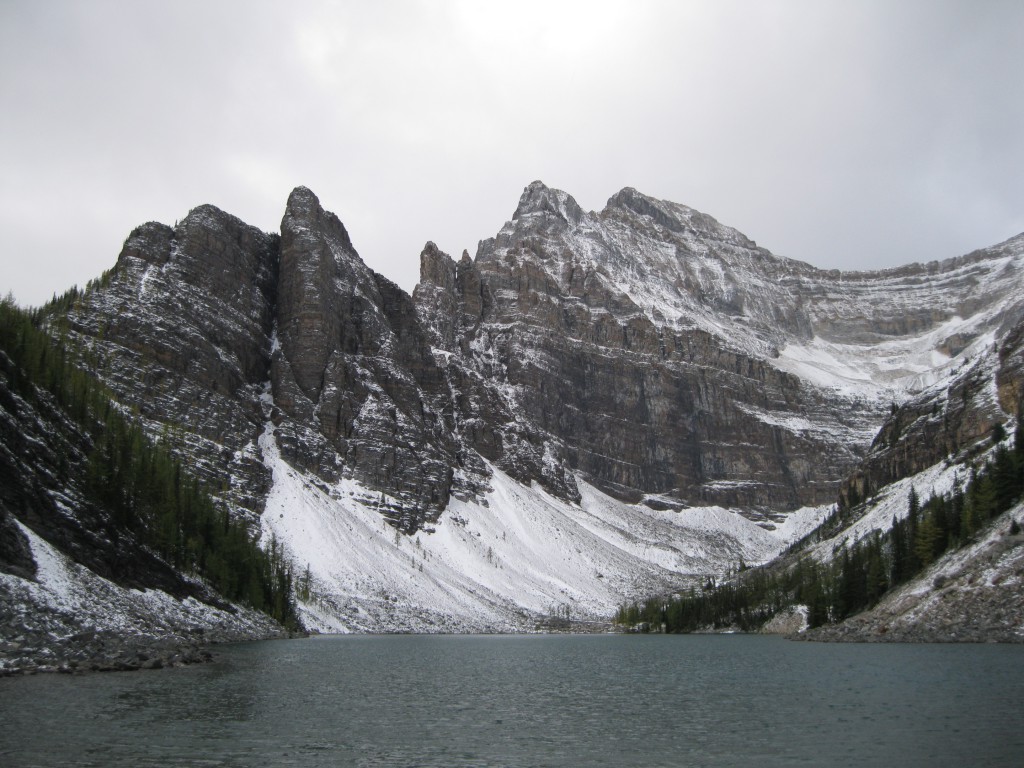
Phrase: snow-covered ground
pixel 972 594
pixel 890 369
pixel 503 565
pixel 892 502
pixel 66 599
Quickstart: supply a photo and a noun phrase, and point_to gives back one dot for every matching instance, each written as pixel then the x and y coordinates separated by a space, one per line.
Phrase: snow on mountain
pixel 510 562
pixel 600 406
pixel 891 503
pixel 854 343
pixel 646 276
pixel 874 334
pixel 66 604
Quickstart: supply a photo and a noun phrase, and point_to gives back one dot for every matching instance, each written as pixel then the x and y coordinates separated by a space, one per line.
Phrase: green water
pixel 533 701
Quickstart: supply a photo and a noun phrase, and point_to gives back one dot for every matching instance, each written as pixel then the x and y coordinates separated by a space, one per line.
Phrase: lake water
pixel 555 700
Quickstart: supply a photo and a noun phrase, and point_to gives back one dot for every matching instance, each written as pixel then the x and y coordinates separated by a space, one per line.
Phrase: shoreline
pixel 31 653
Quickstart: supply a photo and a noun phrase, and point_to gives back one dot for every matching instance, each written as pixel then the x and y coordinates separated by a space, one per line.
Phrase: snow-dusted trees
pixel 859 575
pixel 143 489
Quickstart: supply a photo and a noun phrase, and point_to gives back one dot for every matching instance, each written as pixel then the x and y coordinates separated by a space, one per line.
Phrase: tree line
pixel 859 574
pixel 136 480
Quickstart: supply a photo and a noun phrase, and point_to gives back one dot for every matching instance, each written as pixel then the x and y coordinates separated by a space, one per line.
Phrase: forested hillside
pixel 118 502
pixel 858 576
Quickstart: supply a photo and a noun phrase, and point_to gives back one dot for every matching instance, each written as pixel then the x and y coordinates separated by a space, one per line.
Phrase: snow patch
pixel 502 565
pixel 65 588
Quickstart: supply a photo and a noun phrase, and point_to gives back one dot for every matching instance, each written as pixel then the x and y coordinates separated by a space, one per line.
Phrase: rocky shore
pixel 971 595
pixel 32 641
pixel 865 632
pixel 67 619
pixel 30 651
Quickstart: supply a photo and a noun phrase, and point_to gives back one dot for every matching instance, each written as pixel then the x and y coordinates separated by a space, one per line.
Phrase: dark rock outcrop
pixel 354 376
pixel 643 347
pixel 183 325
pixel 213 328
pixel 943 422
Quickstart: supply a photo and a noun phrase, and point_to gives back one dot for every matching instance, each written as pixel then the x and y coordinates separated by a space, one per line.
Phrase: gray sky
pixel 846 134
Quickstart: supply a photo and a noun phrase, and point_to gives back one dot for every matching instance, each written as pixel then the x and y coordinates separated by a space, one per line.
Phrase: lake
pixel 548 700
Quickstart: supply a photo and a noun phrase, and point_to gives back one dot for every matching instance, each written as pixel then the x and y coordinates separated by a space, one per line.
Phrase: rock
pixel 600 385
pixel 183 324
pixel 636 346
pixel 646 348
pixel 791 621
pixel 15 553
pixel 355 372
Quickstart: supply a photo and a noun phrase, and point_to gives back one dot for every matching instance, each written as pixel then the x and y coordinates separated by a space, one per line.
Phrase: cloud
pixel 861 134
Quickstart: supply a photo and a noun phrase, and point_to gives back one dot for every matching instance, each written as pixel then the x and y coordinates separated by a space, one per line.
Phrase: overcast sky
pixel 846 134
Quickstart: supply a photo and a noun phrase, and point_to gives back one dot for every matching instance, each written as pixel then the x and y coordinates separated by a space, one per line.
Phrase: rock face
pixel 647 348
pixel 183 326
pixel 623 389
pixel 212 329
pixel 658 352
pixel 941 423
pixel 353 378
pixel 982 386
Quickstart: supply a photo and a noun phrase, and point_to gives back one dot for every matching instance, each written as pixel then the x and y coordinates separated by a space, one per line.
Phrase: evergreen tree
pixel 911 561
pixel 877 581
pixel 899 570
pixel 146 491
pixel 928 537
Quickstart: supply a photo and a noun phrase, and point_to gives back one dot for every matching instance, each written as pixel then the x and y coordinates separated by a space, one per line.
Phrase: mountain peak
pixel 666 214
pixel 675 217
pixel 304 212
pixel 539 198
pixel 303 204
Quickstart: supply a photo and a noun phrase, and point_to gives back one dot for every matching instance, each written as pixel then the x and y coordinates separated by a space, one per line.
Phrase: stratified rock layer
pixel 661 355
pixel 353 373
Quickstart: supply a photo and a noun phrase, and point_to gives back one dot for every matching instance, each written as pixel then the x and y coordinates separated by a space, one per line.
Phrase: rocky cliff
pixel 79 588
pixel 180 330
pixel 660 353
pixel 644 354
pixel 212 329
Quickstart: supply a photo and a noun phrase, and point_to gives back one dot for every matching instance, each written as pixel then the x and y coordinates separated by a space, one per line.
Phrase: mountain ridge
pixel 644 359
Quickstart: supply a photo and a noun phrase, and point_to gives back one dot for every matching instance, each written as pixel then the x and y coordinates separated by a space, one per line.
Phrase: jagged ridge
pixel 645 350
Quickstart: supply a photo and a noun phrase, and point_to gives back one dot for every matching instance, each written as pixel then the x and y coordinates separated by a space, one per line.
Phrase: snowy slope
pixel 503 565
pixel 873 335
pixel 66 600
pixel 972 594
pixel 892 503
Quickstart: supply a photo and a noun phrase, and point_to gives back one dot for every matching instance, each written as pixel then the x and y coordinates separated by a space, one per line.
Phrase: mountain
pixel 661 353
pixel 110 557
pixel 597 407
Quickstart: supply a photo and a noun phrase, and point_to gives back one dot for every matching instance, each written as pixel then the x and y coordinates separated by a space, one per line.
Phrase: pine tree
pixel 928 536
pixel 899 570
pixel 877 580
pixel 144 489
